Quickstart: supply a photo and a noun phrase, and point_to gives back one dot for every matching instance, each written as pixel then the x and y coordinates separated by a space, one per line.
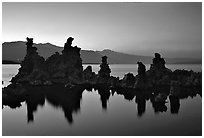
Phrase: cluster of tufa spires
pixel 65 73
pixel 67 69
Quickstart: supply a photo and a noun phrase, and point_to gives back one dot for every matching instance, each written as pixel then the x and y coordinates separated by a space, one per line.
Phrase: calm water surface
pixel 89 116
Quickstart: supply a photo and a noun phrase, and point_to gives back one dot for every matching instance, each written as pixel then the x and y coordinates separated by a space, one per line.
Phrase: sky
pixel 172 29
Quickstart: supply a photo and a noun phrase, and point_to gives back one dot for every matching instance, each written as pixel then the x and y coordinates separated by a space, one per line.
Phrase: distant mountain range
pixel 16 51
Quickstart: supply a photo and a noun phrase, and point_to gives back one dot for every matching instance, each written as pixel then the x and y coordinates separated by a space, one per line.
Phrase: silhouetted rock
pixel 141 70
pixel 175 88
pixel 128 81
pixel 187 78
pixel 140 81
pixel 67 67
pixel 59 68
pixel 114 82
pixel 158 73
pixel 104 72
pixel 65 70
pixel 158 62
pixel 33 68
pixel 68 45
pixel 89 75
pixel 29 44
pixel 13 95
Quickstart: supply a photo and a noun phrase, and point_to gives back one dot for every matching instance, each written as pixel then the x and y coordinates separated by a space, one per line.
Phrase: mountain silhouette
pixel 16 51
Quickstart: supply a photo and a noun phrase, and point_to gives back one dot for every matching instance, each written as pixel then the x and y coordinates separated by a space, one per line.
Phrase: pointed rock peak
pixel 29 42
pixel 141 69
pixel 104 59
pixel 69 42
pixel 68 48
pixel 158 60
pixel 157 55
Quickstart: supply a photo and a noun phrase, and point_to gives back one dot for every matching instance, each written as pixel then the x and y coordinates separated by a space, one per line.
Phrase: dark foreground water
pixel 92 113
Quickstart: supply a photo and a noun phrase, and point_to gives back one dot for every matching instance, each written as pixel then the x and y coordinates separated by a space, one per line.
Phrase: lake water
pixel 89 115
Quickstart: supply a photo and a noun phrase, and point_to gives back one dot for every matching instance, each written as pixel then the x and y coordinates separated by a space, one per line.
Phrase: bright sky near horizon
pixel 173 29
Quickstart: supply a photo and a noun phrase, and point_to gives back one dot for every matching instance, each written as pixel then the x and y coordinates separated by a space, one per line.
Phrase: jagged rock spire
pixel 104 68
pixel 141 69
pixel 68 44
pixel 29 42
pixel 158 62
pixel 140 81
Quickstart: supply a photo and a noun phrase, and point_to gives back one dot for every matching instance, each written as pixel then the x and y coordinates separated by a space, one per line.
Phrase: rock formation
pixel 140 81
pixel 33 68
pixel 104 72
pixel 66 67
pixel 158 73
pixel 89 75
pixel 158 62
pixel 156 84
pixel 158 67
pixel 187 78
pixel 59 68
pixel 141 70
pixel 128 81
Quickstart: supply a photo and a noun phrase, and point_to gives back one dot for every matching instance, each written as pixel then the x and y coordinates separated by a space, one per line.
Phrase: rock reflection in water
pixel 141 104
pixel 58 96
pixel 69 99
pixel 174 104
pixel 32 102
pixel 104 97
